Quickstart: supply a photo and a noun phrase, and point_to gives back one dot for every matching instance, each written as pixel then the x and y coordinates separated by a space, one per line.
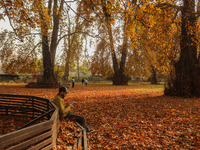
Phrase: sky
pixel 4 24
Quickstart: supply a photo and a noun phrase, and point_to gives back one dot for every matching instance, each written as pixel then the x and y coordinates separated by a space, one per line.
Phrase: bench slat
pixel 32 141
pixel 22 134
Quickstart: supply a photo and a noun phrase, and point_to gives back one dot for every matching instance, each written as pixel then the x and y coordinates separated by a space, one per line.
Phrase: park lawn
pixel 129 117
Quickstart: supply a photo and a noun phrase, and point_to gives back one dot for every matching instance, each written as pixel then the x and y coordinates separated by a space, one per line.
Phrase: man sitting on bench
pixel 64 112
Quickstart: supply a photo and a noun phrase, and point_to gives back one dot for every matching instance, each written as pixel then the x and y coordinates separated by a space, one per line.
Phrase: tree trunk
pixel 187 77
pixel 110 34
pixel 48 72
pixel 112 49
pixel 48 79
pixel 119 77
pixel 78 69
pixel 67 62
pixel 154 76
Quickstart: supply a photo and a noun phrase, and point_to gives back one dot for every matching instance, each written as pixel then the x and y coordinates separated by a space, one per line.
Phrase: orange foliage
pixel 126 119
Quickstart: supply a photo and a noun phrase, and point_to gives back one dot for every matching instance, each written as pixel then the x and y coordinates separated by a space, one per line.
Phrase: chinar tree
pixel 113 19
pixel 186 79
pixel 49 46
pixel 46 15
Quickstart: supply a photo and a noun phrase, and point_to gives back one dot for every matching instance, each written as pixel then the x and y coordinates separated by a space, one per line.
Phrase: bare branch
pixel 77 13
pixel 80 32
pixel 49 7
pixel 65 36
pixel 33 49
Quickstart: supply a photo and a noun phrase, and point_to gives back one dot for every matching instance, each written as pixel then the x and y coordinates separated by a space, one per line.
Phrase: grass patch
pixel 149 88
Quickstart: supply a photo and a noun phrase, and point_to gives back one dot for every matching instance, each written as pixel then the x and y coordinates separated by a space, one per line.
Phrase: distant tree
pixel 101 60
pixel 112 19
pixel 73 43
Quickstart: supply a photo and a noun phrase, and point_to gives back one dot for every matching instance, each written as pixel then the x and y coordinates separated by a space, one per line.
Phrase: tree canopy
pixel 133 37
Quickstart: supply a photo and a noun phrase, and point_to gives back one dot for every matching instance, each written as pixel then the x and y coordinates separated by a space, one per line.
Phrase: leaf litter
pixel 127 119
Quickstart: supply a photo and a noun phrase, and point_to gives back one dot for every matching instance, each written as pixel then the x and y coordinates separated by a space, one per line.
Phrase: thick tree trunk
pixel 187 77
pixel 78 69
pixel 48 79
pixel 119 77
pixel 48 67
pixel 154 76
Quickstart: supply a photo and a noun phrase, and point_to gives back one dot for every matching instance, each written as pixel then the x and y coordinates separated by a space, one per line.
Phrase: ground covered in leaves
pixel 11 123
pixel 128 117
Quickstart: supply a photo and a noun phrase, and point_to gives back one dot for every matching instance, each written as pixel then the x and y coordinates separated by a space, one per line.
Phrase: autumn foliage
pixel 128 117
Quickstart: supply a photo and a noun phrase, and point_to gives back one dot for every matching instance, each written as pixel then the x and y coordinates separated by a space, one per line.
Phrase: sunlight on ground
pixel 149 88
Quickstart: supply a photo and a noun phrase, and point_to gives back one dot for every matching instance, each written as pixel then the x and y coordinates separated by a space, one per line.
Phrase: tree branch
pixel 77 13
pixel 8 15
pixel 81 32
pixel 33 49
pixel 175 15
pixel 86 54
pixel 167 5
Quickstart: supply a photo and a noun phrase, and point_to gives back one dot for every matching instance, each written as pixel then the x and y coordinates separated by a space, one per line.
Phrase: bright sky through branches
pixel 5 25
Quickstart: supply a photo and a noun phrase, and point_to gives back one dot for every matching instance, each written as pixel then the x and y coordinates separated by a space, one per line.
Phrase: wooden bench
pixel 32 135
pixel 81 139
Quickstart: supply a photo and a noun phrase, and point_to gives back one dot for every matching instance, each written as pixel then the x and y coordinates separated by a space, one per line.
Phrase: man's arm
pixel 66 110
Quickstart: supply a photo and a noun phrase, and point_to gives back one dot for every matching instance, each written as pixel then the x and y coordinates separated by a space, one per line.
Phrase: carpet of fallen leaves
pixel 127 118
pixel 11 123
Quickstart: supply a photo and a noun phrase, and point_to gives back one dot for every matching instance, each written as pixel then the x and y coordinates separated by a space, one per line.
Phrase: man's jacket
pixel 59 102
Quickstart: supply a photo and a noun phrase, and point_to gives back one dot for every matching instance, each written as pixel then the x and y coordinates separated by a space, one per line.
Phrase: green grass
pixel 100 82
pixel 149 88
pixel 139 86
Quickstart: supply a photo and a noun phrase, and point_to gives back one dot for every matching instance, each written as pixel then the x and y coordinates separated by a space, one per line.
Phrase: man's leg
pixel 79 119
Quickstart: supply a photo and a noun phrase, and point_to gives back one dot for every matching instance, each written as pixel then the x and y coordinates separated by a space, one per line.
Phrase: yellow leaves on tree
pixel 23 14
pixel 23 66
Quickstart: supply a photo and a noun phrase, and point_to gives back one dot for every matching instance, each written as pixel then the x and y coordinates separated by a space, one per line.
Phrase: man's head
pixel 63 91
